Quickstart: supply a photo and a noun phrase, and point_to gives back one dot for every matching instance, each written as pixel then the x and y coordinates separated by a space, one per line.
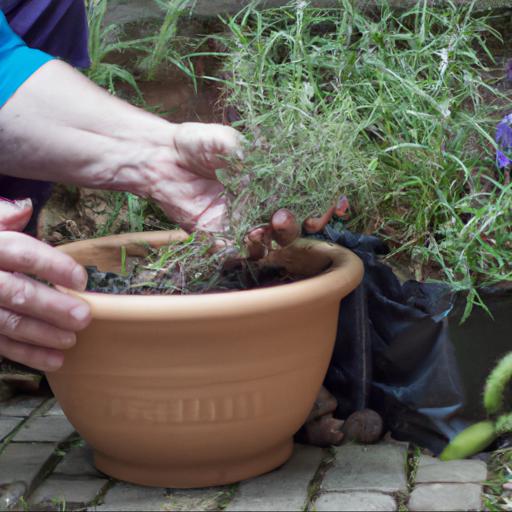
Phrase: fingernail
pixel 54 362
pixel 79 278
pixel 68 340
pixel 81 313
pixel 240 154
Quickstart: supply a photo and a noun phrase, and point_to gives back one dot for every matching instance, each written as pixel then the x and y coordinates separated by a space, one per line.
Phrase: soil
pixel 177 279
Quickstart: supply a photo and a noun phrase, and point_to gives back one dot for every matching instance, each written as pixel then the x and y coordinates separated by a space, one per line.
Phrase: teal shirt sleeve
pixel 17 61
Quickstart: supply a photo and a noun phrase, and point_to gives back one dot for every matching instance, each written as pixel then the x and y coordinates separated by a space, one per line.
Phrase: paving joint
pixel 315 485
pixel 51 463
pixel 100 497
pixel 413 462
pixel 23 421
pixel 227 497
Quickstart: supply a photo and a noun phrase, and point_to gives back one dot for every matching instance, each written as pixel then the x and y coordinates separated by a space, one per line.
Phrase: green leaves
pixel 392 110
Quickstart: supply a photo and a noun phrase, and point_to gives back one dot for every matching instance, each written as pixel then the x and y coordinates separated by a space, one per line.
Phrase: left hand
pixel 184 180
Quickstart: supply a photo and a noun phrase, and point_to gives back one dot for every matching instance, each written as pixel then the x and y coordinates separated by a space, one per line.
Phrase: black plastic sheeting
pixel 393 353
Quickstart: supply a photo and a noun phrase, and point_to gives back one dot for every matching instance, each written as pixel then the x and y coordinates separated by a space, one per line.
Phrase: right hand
pixel 284 229
pixel 37 323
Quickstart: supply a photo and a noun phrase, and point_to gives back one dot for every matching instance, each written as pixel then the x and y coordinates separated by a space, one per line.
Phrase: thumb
pixel 14 215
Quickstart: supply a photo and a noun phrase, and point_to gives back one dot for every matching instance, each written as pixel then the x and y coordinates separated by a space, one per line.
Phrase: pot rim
pixel 343 276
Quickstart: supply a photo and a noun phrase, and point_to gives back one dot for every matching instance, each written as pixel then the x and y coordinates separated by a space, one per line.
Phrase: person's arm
pixel 56 125
pixel 59 126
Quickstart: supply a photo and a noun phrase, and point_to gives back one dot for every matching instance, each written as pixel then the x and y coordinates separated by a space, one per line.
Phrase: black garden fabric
pixel 393 353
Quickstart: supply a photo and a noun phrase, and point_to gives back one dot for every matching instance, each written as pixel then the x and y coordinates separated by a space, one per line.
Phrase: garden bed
pixel 408 135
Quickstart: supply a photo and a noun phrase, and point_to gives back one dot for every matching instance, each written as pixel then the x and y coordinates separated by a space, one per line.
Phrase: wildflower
pixel 504 140
pixel 508 70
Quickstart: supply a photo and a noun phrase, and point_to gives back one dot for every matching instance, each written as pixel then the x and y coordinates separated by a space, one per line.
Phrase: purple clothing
pixel 58 27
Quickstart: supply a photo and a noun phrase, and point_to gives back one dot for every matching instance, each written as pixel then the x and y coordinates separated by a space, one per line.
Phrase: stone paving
pixel 44 465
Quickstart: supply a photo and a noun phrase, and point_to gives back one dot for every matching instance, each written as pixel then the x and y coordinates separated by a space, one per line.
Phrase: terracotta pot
pixel 193 391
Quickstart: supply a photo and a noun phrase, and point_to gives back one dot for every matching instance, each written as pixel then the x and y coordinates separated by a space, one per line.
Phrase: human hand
pixel 36 322
pixel 284 228
pixel 187 187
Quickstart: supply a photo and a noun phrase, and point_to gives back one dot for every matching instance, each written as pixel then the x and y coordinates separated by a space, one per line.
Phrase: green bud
pixel 470 441
pixel 496 385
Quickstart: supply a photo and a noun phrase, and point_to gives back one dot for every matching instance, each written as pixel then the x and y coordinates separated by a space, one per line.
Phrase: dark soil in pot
pixel 188 267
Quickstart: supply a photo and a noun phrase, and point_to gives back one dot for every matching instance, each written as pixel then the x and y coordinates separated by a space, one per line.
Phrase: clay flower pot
pixel 193 391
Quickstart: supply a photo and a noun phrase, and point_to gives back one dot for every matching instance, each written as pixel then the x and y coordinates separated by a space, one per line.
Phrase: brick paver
pixel 190 500
pixel 21 462
pixel 444 497
pixel 7 425
pixel 356 478
pixel 59 489
pixel 355 501
pixel 127 497
pixel 44 429
pixel 77 462
pixel 20 406
pixel 454 471
pixel 380 467
pixel 283 489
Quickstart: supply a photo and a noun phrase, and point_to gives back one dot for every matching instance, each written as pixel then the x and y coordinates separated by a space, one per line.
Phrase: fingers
pixel 14 215
pixel 342 206
pixel 35 332
pixel 203 148
pixel 27 297
pixel 258 242
pixel 21 253
pixel 36 321
pixel 285 228
pixel 44 359
pixel 317 224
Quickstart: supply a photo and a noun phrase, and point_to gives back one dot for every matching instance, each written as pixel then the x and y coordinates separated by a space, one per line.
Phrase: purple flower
pixel 508 70
pixel 504 140
pixel 502 160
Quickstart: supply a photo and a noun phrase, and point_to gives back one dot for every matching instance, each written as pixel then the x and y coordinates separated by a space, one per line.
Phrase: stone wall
pixel 122 11
pixel 212 7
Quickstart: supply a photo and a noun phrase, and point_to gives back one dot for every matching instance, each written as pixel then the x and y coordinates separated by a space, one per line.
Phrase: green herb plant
pixel 395 110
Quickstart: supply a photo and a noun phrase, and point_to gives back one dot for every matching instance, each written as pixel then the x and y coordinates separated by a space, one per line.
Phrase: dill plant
pixel 395 110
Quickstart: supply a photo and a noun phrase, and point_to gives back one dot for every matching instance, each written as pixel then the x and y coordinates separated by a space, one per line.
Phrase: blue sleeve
pixel 17 61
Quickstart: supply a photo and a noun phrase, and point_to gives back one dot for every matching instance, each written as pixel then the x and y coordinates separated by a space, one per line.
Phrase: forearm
pixel 61 127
